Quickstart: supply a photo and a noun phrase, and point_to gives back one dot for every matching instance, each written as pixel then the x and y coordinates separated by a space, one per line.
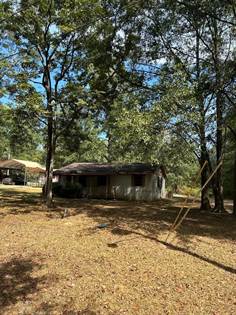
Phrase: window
pixel 101 180
pixel 138 180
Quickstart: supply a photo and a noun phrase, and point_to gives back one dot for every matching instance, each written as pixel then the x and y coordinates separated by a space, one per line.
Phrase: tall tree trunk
pixel 234 171
pixel 109 136
pixel 109 146
pixel 50 163
pixel 212 182
pixel 51 145
pixel 216 42
pixel 205 203
pixel 219 200
pixel 234 189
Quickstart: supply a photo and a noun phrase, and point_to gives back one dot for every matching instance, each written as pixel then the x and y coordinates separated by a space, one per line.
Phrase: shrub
pixel 56 189
pixel 191 191
pixel 67 191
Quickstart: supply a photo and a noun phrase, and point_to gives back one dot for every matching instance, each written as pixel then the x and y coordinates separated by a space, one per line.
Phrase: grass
pixel 70 266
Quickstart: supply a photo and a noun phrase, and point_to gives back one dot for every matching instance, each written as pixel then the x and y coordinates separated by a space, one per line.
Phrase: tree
pixel 5 123
pixel 112 50
pixel 139 133
pixel 184 63
pixel 230 156
pixel 19 139
pixel 48 38
pixel 217 40
pixel 183 32
pixel 82 142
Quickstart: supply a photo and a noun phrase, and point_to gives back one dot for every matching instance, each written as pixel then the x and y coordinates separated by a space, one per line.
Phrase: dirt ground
pixel 50 265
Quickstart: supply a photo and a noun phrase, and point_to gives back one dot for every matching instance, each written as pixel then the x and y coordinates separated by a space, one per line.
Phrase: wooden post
pixel 25 176
pixel 187 211
pixel 185 201
pixel 107 185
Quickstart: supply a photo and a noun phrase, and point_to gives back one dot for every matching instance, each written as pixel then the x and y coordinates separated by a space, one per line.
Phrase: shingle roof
pixel 106 169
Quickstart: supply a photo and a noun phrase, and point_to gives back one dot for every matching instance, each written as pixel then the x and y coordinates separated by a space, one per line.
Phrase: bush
pixel 67 191
pixel 56 189
pixel 191 191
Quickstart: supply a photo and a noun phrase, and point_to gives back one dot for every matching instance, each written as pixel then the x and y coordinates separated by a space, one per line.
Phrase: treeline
pixel 124 81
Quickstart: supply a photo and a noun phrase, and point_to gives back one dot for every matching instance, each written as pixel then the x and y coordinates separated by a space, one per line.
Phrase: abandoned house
pixel 133 181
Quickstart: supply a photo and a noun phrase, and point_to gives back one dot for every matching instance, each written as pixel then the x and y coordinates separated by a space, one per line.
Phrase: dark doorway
pixel 102 180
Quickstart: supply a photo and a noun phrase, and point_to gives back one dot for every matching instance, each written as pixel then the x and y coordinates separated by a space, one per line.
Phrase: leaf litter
pixel 51 265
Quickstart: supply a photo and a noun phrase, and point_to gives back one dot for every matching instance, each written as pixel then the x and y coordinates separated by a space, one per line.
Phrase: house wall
pixel 120 187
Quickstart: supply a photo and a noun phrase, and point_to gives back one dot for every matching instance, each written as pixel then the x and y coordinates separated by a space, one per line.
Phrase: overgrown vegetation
pixel 67 191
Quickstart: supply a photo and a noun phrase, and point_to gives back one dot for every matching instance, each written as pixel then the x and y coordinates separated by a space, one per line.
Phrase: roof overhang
pixel 94 169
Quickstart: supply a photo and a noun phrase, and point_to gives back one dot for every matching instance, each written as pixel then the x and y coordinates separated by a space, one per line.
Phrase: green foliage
pixel 140 133
pixel 190 191
pixel 82 142
pixel 5 123
pixel 19 139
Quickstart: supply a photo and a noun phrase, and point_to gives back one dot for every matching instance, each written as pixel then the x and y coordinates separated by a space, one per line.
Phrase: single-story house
pixel 133 181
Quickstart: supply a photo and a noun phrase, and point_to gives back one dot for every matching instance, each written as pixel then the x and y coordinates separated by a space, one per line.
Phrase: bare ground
pixel 70 266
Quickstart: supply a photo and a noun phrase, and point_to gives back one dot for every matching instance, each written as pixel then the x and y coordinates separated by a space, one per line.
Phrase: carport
pixel 7 167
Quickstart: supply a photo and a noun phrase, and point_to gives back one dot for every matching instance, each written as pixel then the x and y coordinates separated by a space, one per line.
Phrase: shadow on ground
pixel 57 308
pixel 17 281
pixel 18 284
pixel 172 247
pixel 152 218
pixel 149 220
pixel 156 218
pixel 18 201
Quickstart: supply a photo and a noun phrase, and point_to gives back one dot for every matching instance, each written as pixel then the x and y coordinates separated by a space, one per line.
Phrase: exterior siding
pixel 120 187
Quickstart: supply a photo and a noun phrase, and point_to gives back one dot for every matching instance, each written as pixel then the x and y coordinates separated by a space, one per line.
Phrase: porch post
pixel 25 177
